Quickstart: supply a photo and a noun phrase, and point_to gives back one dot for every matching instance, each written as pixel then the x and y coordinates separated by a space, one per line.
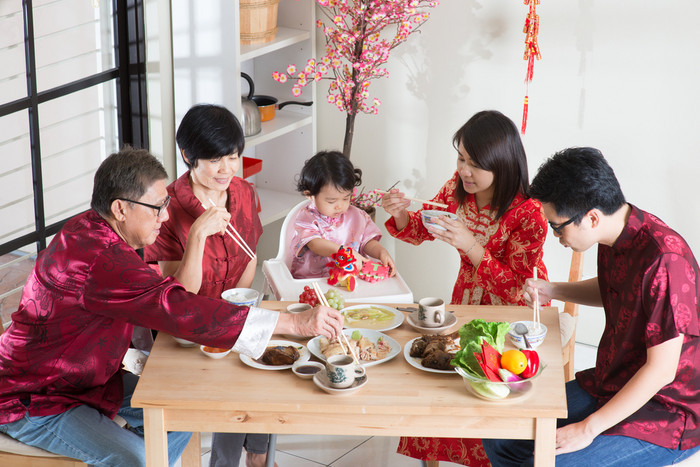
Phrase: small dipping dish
pixel 213 352
pixel 307 369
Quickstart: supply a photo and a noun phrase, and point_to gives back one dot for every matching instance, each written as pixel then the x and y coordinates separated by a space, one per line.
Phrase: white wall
pixel 621 76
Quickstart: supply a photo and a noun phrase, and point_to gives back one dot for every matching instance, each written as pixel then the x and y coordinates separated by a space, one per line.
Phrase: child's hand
pixel 387 261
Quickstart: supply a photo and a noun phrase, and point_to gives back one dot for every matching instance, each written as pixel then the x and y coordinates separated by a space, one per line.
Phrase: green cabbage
pixel 471 336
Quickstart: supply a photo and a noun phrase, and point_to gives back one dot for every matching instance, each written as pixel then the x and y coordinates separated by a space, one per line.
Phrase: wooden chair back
pixel 575 273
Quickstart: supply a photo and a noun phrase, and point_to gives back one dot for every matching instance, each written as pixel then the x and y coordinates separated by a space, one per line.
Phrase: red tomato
pixel 533 364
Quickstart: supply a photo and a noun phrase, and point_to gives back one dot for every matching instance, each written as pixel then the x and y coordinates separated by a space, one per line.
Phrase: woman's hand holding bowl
pixel 456 233
pixel 318 321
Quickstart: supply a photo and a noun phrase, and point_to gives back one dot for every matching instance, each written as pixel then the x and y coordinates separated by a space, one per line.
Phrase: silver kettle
pixel 250 116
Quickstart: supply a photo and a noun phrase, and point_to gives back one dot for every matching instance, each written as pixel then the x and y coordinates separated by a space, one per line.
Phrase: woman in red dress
pixel 499 237
pixel 211 142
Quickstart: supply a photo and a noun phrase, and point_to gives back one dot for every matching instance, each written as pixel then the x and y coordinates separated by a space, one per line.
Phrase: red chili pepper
pixel 533 364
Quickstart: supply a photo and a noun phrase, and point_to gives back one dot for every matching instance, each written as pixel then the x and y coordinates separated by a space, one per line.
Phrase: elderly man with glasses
pixel 61 381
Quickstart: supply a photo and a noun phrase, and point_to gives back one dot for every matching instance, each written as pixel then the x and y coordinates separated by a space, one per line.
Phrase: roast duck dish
pixel 435 351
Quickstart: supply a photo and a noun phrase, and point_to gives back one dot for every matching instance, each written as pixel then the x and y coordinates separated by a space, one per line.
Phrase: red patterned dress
pixel 512 248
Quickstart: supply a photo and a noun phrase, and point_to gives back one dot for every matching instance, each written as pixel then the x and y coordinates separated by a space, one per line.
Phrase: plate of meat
pixel 371 347
pixel 432 353
pixel 279 355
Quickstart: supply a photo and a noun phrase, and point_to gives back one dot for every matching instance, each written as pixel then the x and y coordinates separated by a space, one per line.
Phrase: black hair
pixel 125 174
pixel 577 180
pixel 493 142
pixel 328 167
pixel 209 131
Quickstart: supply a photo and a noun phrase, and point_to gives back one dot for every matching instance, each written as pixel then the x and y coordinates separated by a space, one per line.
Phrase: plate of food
pixel 371 347
pixel 432 353
pixel 376 317
pixel 279 355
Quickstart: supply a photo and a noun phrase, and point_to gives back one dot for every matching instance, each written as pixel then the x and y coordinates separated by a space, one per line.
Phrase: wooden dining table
pixel 181 389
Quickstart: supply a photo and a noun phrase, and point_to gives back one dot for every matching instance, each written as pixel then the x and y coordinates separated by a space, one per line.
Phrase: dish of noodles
pixel 371 347
pixel 376 317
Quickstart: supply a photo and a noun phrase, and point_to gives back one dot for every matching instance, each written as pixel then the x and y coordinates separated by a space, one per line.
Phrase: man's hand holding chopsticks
pixel 318 321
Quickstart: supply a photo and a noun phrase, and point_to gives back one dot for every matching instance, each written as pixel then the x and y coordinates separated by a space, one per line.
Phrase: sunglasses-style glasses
pixel 159 209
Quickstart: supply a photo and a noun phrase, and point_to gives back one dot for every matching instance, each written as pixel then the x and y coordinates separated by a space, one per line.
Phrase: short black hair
pixel 576 180
pixel 209 131
pixel 493 142
pixel 328 167
pixel 125 174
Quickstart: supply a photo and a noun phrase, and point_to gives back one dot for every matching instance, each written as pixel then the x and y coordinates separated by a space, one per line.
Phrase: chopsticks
pixel 536 304
pixel 324 302
pixel 418 200
pixel 241 243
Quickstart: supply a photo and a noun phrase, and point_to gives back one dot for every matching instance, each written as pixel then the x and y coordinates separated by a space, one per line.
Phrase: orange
pixel 514 361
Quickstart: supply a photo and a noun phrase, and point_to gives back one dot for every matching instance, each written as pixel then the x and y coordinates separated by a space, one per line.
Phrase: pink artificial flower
pixel 291 70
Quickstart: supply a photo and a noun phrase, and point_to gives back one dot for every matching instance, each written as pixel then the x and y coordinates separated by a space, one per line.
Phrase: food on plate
pixel 435 351
pixel 214 349
pixel 365 349
pixel 335 300
pixel 279 355
pixel 370 313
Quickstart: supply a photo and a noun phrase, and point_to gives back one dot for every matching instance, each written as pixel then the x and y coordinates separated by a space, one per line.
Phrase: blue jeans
pixel 605 450
pixel 84 433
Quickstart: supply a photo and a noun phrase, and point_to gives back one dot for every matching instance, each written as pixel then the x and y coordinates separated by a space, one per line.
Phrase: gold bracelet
pixel 470 248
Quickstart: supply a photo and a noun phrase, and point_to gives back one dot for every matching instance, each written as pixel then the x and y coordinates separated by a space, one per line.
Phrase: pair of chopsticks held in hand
pixel 324 302
pixel 417 200
pixel 237 238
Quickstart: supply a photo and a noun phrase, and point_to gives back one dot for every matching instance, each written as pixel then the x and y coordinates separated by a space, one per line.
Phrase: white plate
pixel 416 362
pixel 315 348
pixel 450 320
pixel 304 356
pixel 378 326
pixel 321 380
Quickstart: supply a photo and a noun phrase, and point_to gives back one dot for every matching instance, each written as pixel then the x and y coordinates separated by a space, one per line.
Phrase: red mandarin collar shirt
pixel 73 326
pixel 224 261
pixel 649 283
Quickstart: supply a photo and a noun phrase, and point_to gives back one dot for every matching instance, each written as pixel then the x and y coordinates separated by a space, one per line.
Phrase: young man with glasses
pixel 640 404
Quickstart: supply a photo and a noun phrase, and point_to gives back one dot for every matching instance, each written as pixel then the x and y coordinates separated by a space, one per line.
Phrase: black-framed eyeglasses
pixel 559 227
pixel 159 209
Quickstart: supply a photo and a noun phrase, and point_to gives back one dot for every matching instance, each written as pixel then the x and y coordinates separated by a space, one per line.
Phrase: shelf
pixel 276 204
pixel 284 38
pixel 285 121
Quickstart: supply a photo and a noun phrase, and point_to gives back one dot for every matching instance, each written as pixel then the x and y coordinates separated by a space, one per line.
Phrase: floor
pixel 350 451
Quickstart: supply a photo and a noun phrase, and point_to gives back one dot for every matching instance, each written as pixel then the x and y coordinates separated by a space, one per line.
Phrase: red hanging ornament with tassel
pixel 532 51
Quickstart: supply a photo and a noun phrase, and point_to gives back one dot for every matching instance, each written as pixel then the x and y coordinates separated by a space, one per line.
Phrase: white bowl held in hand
pixel 536 333
pixel 242 296
pixel 427 217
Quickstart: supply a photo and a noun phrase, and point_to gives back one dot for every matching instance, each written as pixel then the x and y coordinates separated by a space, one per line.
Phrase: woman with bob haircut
pixel 499 236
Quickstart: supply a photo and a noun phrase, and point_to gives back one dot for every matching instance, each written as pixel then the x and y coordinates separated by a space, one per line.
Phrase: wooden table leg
pixel 545 441
pixel 192 455
pixel 156 438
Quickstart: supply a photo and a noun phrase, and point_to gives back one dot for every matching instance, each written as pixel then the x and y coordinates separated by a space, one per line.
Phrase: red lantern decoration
pixel 532 51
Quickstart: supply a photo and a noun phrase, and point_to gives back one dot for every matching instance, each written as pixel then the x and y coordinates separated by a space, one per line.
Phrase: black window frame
pixel 132 111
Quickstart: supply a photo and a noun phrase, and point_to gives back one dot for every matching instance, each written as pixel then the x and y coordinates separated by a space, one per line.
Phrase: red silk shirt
pixel 650 285
pixel 73 326
pixel 224 261
pixel 513 247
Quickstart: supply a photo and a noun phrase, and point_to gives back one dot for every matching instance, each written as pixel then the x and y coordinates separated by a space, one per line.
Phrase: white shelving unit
pixel 208 59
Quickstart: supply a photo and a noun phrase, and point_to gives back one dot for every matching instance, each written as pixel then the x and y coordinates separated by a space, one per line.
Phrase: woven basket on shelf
pixel 258 21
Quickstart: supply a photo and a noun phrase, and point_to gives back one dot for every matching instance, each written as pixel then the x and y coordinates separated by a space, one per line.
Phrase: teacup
pixel 342 371
pixel 430 313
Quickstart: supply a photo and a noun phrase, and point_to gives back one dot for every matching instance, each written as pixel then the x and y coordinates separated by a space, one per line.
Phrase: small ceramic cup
pixel 298 307
pixel 342 371
pixel 430 313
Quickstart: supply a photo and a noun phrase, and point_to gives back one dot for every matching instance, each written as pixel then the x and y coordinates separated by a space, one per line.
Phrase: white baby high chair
pixel 279 280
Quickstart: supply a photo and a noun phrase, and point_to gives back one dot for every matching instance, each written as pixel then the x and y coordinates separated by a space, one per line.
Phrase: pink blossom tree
pixel 359 36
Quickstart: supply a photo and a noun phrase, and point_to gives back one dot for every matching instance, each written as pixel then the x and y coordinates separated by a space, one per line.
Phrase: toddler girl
pixel 330 221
